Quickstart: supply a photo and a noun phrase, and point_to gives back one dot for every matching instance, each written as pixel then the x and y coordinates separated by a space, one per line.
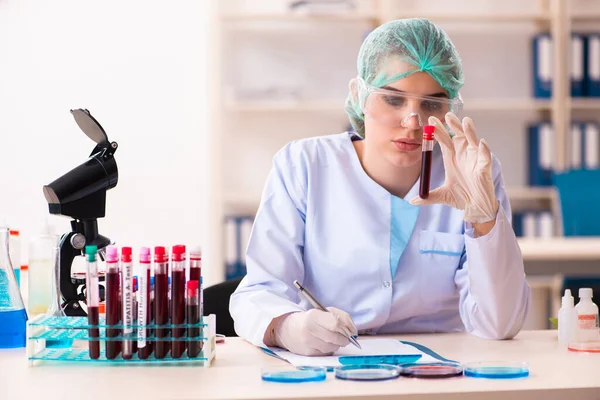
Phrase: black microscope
pixel 81 194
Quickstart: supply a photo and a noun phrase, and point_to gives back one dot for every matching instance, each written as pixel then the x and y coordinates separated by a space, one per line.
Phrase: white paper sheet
pixel 370 347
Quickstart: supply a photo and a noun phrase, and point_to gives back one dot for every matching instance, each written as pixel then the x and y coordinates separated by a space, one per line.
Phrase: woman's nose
pixel 412 121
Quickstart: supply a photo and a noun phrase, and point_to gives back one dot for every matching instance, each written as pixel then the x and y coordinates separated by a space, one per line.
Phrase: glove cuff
pixel 477 216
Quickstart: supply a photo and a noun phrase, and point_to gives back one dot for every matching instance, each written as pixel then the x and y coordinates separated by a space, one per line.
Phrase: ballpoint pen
pixel 315 303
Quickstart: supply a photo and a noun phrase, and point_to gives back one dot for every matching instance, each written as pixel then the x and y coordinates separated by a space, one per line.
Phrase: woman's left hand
pixel 469 184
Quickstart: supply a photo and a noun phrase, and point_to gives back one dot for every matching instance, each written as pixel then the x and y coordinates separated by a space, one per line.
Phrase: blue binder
pixel 577 64
pixel 237 231
pixel 540 149
pixel 542 65
pixel 517 224
pixel 592 76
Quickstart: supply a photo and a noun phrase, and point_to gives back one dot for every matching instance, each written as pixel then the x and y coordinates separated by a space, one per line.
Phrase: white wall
pixel 142 69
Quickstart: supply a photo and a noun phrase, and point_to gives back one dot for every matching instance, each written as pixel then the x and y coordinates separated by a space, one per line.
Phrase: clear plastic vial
pixel 587 316
pixel 41 264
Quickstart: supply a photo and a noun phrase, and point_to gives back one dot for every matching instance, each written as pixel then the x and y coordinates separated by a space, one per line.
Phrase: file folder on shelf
pixel 592 78
pixel 577 65
pixel 541 154
pixel 591 145
pixel 237 233
pixel 542 65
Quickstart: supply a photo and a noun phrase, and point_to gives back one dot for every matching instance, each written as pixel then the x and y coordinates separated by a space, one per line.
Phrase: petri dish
pixel 367 372
pixel 289 374
pixel 585 347
pixel 437 370
pixel 497 370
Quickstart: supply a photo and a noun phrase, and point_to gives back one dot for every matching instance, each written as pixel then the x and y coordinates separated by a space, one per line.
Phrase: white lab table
pixel 556 373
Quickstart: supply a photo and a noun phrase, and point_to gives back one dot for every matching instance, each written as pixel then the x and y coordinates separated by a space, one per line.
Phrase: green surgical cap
pixel 416 42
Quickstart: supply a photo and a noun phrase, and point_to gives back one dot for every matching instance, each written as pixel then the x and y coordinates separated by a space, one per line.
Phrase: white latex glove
pixel 315 332
pixel 469 184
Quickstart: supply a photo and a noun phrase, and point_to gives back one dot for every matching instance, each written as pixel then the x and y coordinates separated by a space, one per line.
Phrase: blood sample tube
pixel 127 301
pixel 93 300
pixel 195 264
pixel 427 150
pixel 112 301
pixel 152 320
pixel 161 300
pixel 178 299
pixel 193 317
pixel 144 304
pixel 135 312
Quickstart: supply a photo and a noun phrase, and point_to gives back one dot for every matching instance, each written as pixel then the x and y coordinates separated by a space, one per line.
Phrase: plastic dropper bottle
pixel 427 152
pixel 567 319
pixel 587 316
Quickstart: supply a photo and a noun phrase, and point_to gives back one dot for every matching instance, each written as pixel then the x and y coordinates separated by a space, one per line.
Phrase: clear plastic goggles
pixel 397 108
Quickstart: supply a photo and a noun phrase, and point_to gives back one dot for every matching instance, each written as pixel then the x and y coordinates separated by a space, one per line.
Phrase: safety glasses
pixel 396 108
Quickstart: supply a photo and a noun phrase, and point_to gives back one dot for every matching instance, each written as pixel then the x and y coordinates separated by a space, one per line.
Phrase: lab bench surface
pixel 556 373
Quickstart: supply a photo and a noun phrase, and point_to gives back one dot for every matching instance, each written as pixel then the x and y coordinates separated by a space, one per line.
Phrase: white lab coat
pixel 394 267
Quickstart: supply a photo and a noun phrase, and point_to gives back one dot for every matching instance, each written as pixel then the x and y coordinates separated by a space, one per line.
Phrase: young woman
pixel 341 214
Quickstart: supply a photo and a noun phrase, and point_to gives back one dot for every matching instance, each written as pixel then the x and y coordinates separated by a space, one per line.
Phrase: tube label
pixel 142 306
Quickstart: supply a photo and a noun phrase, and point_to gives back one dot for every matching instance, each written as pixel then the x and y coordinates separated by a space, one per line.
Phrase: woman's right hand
pixel 315 332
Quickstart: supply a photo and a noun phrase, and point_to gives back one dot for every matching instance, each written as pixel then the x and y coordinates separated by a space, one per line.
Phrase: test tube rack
pixel 65 339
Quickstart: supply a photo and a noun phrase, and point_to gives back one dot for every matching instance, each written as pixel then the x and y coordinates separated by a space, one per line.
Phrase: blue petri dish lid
pixel 497 370
pixel 367 372
pixel 435 370
pixel 289 374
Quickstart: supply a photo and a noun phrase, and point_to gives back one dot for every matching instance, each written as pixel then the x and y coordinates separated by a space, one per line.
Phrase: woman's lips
pixel 407 144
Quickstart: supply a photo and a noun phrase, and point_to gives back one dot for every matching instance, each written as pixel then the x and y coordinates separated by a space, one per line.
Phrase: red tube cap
pixel 428 131
pixel 126 254
pixel 179 252
pixel 159 254
pixel 193 285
